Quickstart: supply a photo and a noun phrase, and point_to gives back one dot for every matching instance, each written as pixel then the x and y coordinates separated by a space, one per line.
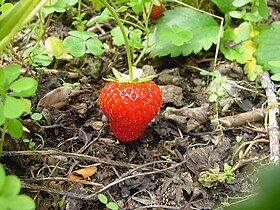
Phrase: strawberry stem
pixel 126 41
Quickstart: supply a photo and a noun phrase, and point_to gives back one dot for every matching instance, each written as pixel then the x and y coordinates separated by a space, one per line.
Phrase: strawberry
pixel 157 10
pixel 130 106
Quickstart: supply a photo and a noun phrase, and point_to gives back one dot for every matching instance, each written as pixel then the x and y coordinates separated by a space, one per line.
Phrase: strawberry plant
pixel 239 43
pixel 131 101
pixel 183 31
pixel 10 199
pixel 13 104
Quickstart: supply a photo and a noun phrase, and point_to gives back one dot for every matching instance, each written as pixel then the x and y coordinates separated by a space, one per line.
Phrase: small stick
pixel 242 118
pixel 273 110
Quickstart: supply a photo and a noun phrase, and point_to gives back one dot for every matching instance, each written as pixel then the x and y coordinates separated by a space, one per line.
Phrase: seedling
pixel 9 193
pixel 110 205
pixel 209 178
pixel 238 139
pixel 217 87
pixel 13 90
pixel 31 144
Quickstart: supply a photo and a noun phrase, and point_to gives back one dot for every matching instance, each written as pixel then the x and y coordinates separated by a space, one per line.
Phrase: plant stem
pixel 3 137
pixel 127 46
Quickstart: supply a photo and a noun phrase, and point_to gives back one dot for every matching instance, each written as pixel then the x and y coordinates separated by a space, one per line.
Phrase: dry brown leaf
pixel 57 98
pixel 82 173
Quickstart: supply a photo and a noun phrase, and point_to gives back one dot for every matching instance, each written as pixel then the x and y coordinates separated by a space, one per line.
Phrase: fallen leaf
pixel 82 173
pixel 57 98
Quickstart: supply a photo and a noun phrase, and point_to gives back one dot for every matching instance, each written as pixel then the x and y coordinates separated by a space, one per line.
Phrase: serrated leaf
pixel 178 35
pixel 117 35
pixel 204 28
pixel 95 46
pixel 224 5
pixel 135 38
pixel 268 45
pixel 13 108
pixel 15 128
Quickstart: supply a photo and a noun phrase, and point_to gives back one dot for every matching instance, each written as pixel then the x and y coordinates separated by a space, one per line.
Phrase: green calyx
pixel 138 76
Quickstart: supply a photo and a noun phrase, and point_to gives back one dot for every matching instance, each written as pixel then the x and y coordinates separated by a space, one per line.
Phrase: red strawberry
pixel 130 107
pixel 156 11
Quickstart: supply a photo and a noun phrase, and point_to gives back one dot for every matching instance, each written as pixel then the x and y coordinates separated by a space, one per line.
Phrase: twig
pixel 242 118
pixel 272 127
pixel 69 155
pixel 132 176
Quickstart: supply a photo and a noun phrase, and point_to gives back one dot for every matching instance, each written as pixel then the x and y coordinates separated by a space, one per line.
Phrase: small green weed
pixel 10 199
pixel 217 87
pixel 13 90
pixel 209 178
pixel 110 205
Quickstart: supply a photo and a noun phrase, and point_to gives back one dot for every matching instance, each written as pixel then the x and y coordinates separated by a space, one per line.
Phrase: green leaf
pixel 122 9
pixel 2 118
pixel 13 108
pixel 204 28
pixel 178 35
pixel 2 178
pixel 236 14
pixel 21 202
pixel 224 5
pixel 54 46
pixel 5 7
pixel 213 98
pixel 25 87
pixel 112 206
pixel 244 31
pixel 104 16
pixel 12 20
pixel 15 128
pixel 3 203
pixel 274 63
pixel 36 116
pixel 75 46
pixel 263 9
pixel 58 6
pixel 37 57
pixel 240 3
pixel 135 38
pixel 12 72
pixel 84 35
pixel 268 45
pixel 11 186
pixel 95 46
pixel 102 198
pixel 117 35
pixel 276 77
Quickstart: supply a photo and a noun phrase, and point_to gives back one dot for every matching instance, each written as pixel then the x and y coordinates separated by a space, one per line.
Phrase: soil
pixel 177 163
